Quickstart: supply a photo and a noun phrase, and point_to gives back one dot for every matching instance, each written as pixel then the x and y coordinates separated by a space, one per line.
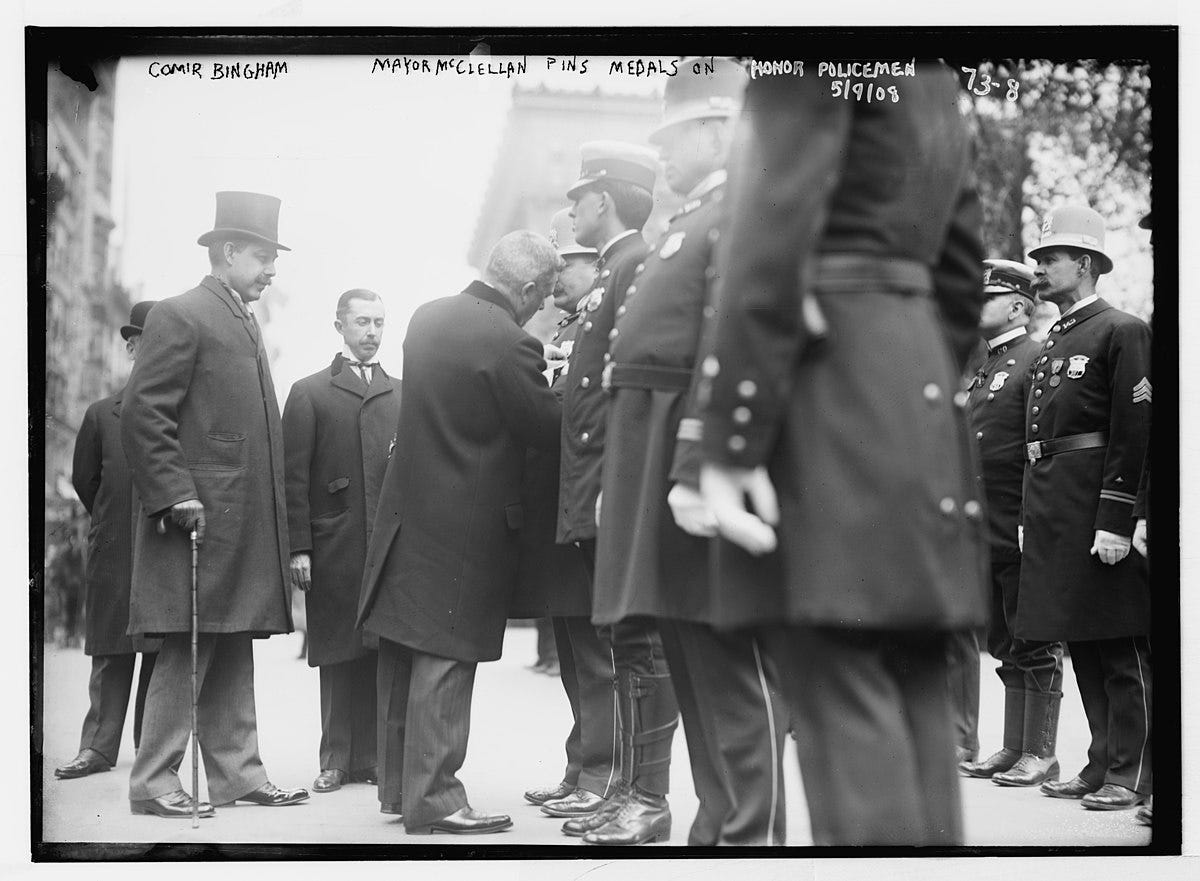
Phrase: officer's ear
pixel 1085 264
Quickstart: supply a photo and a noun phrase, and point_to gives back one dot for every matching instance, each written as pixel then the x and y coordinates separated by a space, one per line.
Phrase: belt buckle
pixel 1033 451
pixel 606 376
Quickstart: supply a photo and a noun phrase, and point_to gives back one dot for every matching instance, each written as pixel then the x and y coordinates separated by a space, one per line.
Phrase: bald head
pixel 523 266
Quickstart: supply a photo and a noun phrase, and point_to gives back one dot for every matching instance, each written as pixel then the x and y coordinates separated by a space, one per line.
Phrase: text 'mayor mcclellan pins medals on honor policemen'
pixel 1077 366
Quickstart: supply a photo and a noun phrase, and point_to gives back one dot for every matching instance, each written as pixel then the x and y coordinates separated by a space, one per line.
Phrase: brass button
pixel 639 268
pixel 947 506
pixel 585 382
pixel 1036 409
pixel 632 290
pixel 1041 375
pixel 932 392
pixel 737 443
pixel 979 435
pixel 1044 359
pixel 710 367
pixel 1037 393
pixel 1049 344
pixel 961 399
pixel 607 357
pixel 713 235
pixel 709 311
pixel 1033 427
pixel 587 325
pixel 585 437
pixel 747 388
pixel 973 510
pixel 741 415
pixel 991 396
pixel 620 311
pixel 1056 328
pixel 606 273
pixel 613 334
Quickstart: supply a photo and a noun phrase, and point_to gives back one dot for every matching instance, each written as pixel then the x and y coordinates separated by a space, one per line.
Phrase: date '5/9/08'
pixel 986 84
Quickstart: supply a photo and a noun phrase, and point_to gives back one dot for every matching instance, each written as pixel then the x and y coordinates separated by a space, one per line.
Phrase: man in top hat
pixel 200 426
pixel 1086 431
pixel 443 557
pixel 849 302
pixel 338 426
pixel 555 582
pixel 1030 670
pixel 102 480
pixel 653 556
pixel 611 202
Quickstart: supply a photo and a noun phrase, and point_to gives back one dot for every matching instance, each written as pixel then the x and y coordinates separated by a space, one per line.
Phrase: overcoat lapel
pixel 346 378
pixel 213 286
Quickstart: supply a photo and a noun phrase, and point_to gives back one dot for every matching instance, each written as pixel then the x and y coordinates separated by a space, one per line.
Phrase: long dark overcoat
pixel 200 420
pixel 337 434
pixel 103 483
pixel 1091 375
pixel 442 561
pixel 850 261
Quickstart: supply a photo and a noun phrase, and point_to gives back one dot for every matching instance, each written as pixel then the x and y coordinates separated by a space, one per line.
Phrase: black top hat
pixel 137 318
pixel 709 94
pixel 245 216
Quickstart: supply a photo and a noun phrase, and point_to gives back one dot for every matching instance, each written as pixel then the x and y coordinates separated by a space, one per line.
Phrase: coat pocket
pixel 338 484
pixel 514 514
pixel 223 451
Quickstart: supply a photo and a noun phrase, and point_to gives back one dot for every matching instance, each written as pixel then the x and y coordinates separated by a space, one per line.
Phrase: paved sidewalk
pixel 519 722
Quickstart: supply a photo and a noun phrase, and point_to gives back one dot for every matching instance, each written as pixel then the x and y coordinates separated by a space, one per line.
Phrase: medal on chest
pixel 592 303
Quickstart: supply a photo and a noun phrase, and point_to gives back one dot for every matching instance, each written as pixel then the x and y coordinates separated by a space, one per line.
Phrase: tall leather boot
pixel 1014 733
pixel 577 827
pixel 653 714
pixel 1037 763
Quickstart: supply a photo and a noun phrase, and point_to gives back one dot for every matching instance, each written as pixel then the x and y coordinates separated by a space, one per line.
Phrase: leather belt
pixel 1071 443
pixel 644 376
pixel 863 273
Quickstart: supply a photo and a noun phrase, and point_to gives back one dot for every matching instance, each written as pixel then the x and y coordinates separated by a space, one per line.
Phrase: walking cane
pixel 195 723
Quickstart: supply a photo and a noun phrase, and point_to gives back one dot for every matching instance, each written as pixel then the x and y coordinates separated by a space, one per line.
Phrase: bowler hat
pixel 137 318
pixel 245 216
pixel 1074 226
pixel 1007 277
pixel 615 160
pixel 562 236
pixel 709 94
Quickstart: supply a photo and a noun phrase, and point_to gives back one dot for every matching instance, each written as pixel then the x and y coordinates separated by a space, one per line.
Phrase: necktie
pixel 362 368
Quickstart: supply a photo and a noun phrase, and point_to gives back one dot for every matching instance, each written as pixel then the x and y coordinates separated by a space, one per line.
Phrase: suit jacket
pixel 1091 374
pixel 337 435
pixel 443 556
pixel 103 483
pixel 200 420
pixel 585 403
pixel 853 409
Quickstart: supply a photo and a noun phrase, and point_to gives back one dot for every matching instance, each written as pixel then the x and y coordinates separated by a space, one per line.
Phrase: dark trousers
pixel 108 700
pixel 587 671
pixel 1114 677
pixel 547 644
pixel 872 720
pixel 225 712
pixel 348 723
pixel 962 648
pixel 735 725
pixel 424 723
pixel 1025 665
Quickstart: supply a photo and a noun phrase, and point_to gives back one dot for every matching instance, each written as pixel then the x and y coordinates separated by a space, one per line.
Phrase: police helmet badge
pixel 998 381
pixel 1077 366
pixel 1046 224
pixel 672 245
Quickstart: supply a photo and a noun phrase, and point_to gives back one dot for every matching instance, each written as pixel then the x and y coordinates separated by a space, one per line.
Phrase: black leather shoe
pixel 1145 815
pixel 541 796
pixel 581 826
pixel 1076 787
pixel 271 796
pixel 962 754
pixel 87 762
pixel 642 819
pixel 1111 797
pixel 996 763
pixel 367 775
pixel 1030 770
pixel 176 805
pixel 466 821
pixel 329 780
pixel 579 803
pixel 389 807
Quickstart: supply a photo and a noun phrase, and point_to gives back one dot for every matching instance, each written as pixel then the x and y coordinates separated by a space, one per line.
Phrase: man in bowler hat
pixel 102 480
pixel 200 426
pixel 338 426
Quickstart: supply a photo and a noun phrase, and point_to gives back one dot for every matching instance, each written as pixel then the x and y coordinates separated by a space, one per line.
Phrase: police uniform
pixel 1087 426
pixel 850 261
pixel 649 566
pixel 1031 670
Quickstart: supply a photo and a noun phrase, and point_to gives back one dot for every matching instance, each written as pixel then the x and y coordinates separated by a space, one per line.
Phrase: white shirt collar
pixel 615 239
pixel 1005 337
pixel 350 356
pixel 711 182
pixel 238 298
pixel 1086 301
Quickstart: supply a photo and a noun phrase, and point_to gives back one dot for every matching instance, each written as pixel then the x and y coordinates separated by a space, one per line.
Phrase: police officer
pixel 102 480
pixel 1087 426
pixel 850 298
pixel 652 552
pixel 611 202
pixel 1030 670
pixel 555 581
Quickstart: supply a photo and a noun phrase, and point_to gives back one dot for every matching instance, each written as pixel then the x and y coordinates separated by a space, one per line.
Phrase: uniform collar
pixel 1081 312
pixel 706 186
pixel 1006 337
pixel 1086 301
pixel 489 294
pixel 608 246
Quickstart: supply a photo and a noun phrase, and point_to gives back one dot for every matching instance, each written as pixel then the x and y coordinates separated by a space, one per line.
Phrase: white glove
pixel 1020 538
pixel 691 513
pixel 599 496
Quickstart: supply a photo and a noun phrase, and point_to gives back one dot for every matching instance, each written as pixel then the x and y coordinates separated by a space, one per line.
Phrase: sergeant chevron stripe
pixel 1113 496
pixel 1142 391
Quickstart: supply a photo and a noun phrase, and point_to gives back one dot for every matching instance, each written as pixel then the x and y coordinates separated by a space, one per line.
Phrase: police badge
pixel 1077 367
pixel 672 245
pixel 998 381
